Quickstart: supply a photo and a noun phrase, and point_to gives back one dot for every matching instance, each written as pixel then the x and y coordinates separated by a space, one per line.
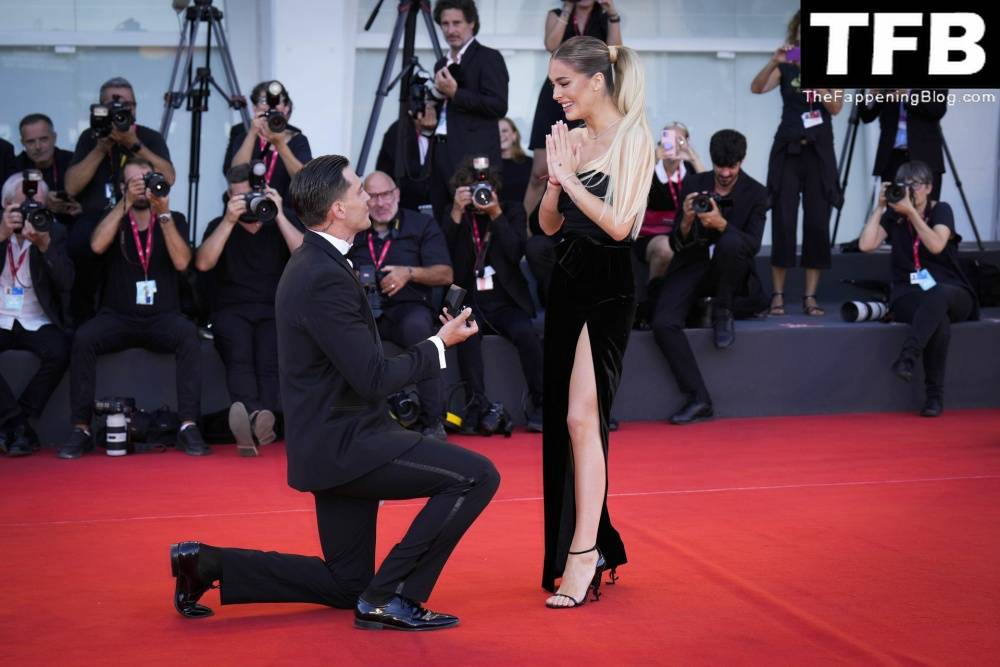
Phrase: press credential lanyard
pixel 15 265
pixel 144 255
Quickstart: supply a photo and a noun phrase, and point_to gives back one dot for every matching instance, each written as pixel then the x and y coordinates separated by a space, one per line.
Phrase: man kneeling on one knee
pixel 144 248
pixel 714 245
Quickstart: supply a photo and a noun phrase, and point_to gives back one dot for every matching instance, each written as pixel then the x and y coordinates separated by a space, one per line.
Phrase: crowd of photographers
pixel 95 261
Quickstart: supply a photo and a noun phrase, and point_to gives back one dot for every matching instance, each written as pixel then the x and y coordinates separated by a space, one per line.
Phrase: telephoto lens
pixel 260 207
pixel 157 184
pixel 116 434
pixel 864 311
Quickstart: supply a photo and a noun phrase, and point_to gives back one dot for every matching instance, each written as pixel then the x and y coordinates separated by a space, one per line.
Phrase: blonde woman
pixel 599 177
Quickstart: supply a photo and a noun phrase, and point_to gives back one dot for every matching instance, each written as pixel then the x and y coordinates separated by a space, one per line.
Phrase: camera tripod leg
pixel 383 89
pixel 229 69
pixel 961 190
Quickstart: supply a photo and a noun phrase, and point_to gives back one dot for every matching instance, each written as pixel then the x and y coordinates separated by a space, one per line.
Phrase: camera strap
pixel 916 237
pixel 371 249
pixel 272 163
pixel 482 245
pixel 143 254
pixel 15 265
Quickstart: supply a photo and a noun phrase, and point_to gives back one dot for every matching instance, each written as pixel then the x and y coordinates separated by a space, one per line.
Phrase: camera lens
pixel 157 184
pixel 276 121
pixel 702 204
pixel 40 218
pixel 482 194
pixel 895 193
pixel 261 207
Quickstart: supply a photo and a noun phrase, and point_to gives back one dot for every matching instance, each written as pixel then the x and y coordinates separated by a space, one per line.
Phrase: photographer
pixel 40 152
pixel 144 247
pixel 418 146
pixel 246 255
pixel 714 247
pixel 929 290
pixel 400 258
pixel 282 147
pixel 95 170
pixel 472 81
pixel 35 277
pixel 487 244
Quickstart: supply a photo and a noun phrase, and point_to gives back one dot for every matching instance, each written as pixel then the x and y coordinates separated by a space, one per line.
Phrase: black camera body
pixel 418 96
pixel 107 117
pixel 157 184
pixel 276 121
pixel 896 192
pixel 369 279
pixel 259 207
pixel 404 407
pixel 482 189
pixel 34 211
pixel 113 405
pixel 703 202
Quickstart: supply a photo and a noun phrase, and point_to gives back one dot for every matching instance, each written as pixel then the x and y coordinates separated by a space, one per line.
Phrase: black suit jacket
pixel 7 165
pixel 334 377
pixel 923 131
pixel 508 236
pixel 414 184
pixel 481 101
pixel 746 218
pixel 51 275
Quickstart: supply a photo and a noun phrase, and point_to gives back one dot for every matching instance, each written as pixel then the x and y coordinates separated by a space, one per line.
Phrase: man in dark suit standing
pixel 911 130
pixel 472 81
pixel 342 445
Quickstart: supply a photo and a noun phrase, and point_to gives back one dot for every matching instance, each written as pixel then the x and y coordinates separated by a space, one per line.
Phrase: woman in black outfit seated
pixel 284 153
pixel 592 18
pixel 598 182
pixel 929 290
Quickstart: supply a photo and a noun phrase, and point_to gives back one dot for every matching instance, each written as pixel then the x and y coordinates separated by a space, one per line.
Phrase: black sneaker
pixel 23 440
pixel 79 443
pixel 189 439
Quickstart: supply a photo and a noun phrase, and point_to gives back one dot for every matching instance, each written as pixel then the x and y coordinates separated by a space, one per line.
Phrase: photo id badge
pixel 145 292
pixel 485 283
pixel 812 119
pixel 923 278
pixel 13 299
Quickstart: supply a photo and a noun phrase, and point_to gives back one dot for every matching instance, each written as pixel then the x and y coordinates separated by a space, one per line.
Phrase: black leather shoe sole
pixel 362 624
pixel 184 606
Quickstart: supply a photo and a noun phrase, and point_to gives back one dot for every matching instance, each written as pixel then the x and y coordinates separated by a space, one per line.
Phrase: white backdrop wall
pixel 699 56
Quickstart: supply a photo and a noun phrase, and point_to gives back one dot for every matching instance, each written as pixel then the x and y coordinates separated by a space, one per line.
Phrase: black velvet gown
pixel 592 284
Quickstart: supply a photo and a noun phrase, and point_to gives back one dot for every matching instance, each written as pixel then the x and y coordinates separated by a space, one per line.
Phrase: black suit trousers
pixel 51 345
pixel 720 277
pixel 406 324
pixel 459 484
pixel 247 341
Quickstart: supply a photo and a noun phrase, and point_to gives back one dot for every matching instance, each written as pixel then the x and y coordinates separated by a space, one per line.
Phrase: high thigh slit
pixel 592 284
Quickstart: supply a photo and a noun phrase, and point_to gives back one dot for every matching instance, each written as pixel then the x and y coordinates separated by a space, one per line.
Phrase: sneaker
pixel 79 443
pixel 190 440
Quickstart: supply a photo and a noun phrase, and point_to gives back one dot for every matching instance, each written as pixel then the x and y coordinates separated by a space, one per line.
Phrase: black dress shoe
pixel 933 407
pixel 79 443
pixel 189 439
pixel 534 418
pixel 400 614
pixel 188 586
pixel 23 440
pixel 693 411
pixel 724 328
pixel 904 364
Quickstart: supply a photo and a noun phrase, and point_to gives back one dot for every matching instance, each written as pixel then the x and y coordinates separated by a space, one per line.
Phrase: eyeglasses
pixel 378 196
pixel 911 183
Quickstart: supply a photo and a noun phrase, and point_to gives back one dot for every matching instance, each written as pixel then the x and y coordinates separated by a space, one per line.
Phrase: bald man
pixel 405 254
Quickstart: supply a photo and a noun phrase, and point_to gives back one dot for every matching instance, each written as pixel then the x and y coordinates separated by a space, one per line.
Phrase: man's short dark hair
pixel 116 82
pixel 238 173
pixel 140 161
pixel 727 148
pixel 33 118
pixel 317 185
pixel 468 8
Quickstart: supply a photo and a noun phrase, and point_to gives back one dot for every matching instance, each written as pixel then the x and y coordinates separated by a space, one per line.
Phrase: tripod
pixel 406 28
pixel 197 92
pixel 844 171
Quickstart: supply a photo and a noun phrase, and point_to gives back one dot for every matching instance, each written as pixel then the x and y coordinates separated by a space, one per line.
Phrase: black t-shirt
pixel 417 241
pixel 54 176
pixel 102 190
pixel 794 104
pixel 280 180
pixel 516 176
pixel 901 236
pixel 122 270
pixel 250 265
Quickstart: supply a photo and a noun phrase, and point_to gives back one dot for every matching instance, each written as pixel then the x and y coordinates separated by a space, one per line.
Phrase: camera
pixel 703 202
pixel 864 311
pixel 495 419
pixel 157 184
pixel 276 121
pixel 369 277
pixel 107 117
pixel 259 207
pixel 482 191
pixel 117 433
pixel 895 193
pixel 404 407
pixel 33 211
pixel 418 96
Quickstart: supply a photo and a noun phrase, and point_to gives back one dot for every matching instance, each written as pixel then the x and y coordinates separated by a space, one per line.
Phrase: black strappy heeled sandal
pixel 595 583
pixel 777 310
pixel 812 310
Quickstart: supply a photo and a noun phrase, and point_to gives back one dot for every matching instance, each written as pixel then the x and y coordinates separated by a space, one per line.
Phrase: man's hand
pixel 158 205
pixel 12 222
pixel 688 220
pixel 261 129
pixel 713 219
pixel 445 83
pixel 41 240
pixel 463 198
pixel 905 206
pixel 236 207
pixel 134 189
pixel 428 120
pixel 492 209
pixel 455 329
pixel 63 206
pixel 395 279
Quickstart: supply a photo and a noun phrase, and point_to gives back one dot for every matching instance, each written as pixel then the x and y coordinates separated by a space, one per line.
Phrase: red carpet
pixel 860 539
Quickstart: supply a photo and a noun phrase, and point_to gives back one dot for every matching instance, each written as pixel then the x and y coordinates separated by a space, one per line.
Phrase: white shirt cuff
pixel 439 344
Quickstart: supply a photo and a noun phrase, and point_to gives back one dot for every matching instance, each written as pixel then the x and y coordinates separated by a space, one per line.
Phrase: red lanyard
pixel 143 255
pixel 371 249
pixel 15 265
pixel 916 241
pixel 480 244
pixel 274 161
pixel 675 192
